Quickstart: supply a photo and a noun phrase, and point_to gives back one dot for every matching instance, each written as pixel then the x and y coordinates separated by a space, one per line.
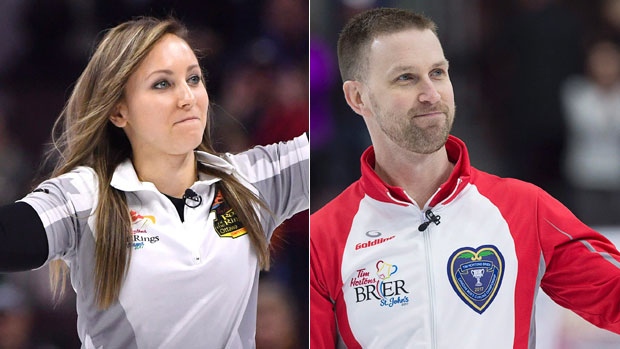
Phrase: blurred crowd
pixel 537 88
pixel 255 55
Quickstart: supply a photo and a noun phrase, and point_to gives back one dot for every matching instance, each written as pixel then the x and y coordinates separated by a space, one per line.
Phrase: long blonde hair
pixel 86 137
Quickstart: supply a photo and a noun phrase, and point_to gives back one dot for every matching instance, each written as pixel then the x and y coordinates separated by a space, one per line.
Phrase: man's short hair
pixel 364 27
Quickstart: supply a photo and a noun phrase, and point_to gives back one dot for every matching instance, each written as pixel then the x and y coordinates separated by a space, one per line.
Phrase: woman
pixel 163 237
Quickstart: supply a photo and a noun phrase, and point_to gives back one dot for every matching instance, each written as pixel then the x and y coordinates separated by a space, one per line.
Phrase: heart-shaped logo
pixel 476 275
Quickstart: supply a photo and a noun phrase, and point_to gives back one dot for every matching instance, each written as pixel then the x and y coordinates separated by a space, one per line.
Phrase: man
pixel 425 251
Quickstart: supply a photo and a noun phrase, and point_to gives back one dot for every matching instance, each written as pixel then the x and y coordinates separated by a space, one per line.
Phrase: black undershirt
pixel 178 203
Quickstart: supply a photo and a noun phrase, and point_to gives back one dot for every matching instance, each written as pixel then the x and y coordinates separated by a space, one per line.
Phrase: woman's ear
pixel 118 117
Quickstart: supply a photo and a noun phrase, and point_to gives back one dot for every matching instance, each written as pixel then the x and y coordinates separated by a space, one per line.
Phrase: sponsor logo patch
pixel 139 225
pixel 476 275
pixel 374 242
pixel 139 221
pixel 381 285
pixel 226 222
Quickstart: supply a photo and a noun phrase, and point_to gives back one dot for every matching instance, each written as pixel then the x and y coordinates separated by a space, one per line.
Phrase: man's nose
pixel 429 93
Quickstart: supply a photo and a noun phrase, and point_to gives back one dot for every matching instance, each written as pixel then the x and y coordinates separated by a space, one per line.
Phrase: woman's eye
pixel 194 79
pixel 162 84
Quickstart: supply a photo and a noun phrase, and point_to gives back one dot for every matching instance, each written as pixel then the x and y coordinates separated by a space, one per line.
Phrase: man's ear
pixel 353 94
pixel 118 117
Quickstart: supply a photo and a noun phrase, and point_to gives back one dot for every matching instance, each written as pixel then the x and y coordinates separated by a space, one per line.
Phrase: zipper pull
pixel 432 218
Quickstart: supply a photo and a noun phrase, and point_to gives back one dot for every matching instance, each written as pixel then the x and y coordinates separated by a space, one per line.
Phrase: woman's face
pixel 164 107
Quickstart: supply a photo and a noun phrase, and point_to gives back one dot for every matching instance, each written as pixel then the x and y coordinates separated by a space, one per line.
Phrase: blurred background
pixel 538 98
pixel 536 85
pixel 256 59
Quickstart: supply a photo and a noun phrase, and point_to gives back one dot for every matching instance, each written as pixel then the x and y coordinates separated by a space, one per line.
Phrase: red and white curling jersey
pixel 469 281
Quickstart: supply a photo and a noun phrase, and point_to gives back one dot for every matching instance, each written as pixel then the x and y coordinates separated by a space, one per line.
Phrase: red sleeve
pixel 329 230
pixel 322 315
pixel 582 266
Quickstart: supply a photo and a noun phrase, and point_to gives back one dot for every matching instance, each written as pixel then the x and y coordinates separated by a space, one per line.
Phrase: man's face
pixel 409 91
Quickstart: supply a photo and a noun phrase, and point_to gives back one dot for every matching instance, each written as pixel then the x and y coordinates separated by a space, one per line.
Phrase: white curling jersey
pixel 190 284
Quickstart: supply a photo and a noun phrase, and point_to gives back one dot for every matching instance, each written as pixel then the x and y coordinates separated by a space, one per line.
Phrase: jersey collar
pixel 126 179
pixel 379 190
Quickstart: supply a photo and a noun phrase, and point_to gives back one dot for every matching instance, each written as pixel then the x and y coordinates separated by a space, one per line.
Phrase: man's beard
pixel 405 132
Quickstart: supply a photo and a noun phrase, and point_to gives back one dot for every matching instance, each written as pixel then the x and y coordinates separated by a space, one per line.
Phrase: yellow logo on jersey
pixel 226 221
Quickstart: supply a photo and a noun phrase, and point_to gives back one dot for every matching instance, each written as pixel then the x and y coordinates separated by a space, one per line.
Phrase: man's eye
pixel 438 73
pixel 162 84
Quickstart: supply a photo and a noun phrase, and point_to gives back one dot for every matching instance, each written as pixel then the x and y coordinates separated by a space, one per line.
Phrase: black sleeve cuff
pixel 23 242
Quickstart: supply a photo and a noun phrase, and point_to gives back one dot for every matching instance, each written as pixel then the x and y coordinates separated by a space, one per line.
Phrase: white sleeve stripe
pixel 264 168
pixel 605 255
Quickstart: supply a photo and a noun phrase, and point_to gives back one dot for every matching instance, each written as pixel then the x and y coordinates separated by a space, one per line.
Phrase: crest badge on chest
pixel 226 222
pixel 476 275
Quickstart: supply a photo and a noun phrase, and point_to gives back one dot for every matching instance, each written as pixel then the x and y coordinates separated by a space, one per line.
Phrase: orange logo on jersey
pixel 140 234
pixel 140 220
